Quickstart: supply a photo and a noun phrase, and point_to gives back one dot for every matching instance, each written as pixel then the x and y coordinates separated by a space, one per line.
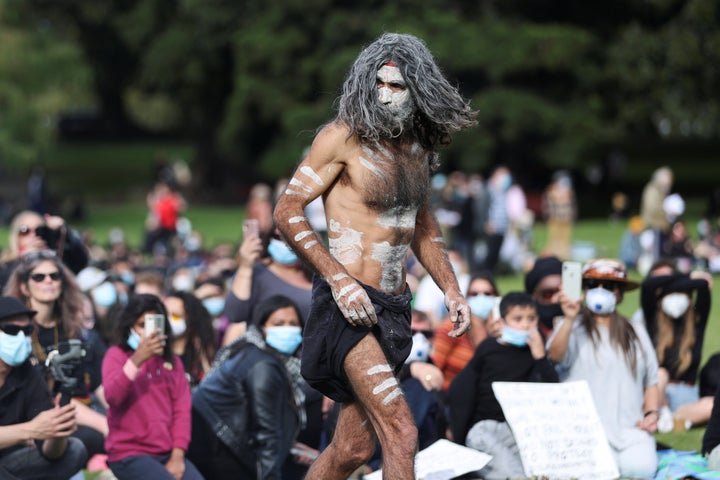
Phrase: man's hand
pixel 648 422
pixel 353 301
pixel 176 463
pixel 149 346
pixel 459 313
pixel 56 422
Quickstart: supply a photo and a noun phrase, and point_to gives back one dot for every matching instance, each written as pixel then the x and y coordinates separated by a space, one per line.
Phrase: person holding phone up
pixel 148 396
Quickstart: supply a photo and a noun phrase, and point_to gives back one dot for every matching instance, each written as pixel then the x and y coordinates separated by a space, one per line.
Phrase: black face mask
pixel 547 313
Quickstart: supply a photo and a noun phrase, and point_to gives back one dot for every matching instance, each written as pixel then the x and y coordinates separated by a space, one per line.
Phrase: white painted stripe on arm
pixel 313 176
pixel 387 383
pixel 379 368
pixel 392 396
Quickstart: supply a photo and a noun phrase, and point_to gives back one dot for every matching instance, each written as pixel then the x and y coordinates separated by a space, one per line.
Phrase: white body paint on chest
pixel 371 166
pixel 347 246
pixel 392 259
pixel 398 218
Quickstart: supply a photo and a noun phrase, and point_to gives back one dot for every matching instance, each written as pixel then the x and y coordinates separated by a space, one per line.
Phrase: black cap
pixel 543 267
pixel 11 307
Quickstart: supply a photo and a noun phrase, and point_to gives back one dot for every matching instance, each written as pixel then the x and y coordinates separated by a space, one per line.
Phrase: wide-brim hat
pixel 11 307
pixel 608 269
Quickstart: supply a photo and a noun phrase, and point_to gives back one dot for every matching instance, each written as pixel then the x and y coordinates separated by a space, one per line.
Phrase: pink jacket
pixel 149 410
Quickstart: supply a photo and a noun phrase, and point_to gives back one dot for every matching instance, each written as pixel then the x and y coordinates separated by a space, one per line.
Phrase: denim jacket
pixel 248 403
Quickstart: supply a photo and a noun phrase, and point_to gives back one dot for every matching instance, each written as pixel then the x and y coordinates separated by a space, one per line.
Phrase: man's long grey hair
pixel 439 107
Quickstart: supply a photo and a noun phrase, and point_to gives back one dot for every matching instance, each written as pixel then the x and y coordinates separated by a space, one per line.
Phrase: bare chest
pixel 391 180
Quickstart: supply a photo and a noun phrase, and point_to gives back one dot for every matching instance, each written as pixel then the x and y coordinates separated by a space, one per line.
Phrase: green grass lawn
pixel 223 223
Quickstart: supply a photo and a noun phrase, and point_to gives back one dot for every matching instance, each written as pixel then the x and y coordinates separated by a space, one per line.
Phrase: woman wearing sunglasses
pixel 617 360
pixel 44 284
pixel 32 232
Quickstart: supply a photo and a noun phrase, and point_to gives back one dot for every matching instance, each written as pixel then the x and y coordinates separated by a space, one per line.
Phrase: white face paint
pixel 392 259
pixel 399 102
pixel 398 218
pixel 346 247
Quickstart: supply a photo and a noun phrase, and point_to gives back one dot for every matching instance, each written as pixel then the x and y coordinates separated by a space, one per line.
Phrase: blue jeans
pixel 147 466
pixel 29 464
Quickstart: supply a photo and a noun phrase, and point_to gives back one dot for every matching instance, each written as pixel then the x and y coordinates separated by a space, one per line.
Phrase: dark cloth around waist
pixel 328 337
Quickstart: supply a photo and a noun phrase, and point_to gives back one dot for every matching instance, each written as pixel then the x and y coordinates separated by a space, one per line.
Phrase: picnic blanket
pixel 674 465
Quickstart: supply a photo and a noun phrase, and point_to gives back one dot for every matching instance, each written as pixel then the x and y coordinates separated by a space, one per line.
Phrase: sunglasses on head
pixel 39 277
pixel 606 284
pixel 12 329
pixel 31 257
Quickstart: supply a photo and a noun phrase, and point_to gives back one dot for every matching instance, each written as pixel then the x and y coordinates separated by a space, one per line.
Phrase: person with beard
pixel 543 282
pixel 372 166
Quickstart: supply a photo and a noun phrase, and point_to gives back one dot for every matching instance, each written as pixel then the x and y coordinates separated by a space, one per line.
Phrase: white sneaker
pixel 665 421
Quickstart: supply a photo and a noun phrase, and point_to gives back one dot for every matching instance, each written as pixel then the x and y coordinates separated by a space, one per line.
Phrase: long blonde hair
pixel 13 250
pixel 666 337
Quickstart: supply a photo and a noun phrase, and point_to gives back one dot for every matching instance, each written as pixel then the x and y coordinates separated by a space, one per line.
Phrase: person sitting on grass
pixel 518 355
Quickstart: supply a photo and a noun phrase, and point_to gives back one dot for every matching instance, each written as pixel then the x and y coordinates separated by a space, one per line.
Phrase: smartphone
pixel 251 228
pixel 154 321
pixel 572 280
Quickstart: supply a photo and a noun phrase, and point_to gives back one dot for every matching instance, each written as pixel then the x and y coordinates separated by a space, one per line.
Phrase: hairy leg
pixel 352 445
pixel 381 399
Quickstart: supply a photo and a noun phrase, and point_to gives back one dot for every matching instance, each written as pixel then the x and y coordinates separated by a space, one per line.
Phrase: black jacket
pixel 248 403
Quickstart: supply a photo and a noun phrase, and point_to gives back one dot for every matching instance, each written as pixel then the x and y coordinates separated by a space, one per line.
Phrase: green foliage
pixel 40 75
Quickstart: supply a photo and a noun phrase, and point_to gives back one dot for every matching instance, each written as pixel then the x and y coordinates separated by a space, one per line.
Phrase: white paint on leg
pixel 384 385
pixel 379 368
pixel 392 396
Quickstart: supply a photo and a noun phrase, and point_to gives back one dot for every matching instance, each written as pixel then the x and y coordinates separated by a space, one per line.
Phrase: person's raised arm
pixel 561 337
pixel 429 248
pixel 314 176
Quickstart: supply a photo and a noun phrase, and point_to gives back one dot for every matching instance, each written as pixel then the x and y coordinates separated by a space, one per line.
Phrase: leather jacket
pixel 248 403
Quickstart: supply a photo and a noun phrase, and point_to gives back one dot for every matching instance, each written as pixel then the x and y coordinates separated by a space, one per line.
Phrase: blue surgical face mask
pixel 281 253
pixel 128 278
pixel 514 336
pixel 284 339
pixel 104 295
pixel 600 301
pixel 14 349
pixel 481 305
pixel 214 305
pixel 133 340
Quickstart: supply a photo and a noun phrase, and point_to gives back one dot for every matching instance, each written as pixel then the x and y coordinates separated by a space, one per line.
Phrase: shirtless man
pixel 372 166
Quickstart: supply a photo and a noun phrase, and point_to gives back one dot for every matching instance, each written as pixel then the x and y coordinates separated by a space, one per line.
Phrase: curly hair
pixel 440 109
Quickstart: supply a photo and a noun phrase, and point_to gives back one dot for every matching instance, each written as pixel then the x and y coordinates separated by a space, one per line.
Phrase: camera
pixel 49 235
pixel 63 363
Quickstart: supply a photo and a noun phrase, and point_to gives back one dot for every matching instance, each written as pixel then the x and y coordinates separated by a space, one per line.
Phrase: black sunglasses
pixel 12 329
pixel 24 230
pixel 39 277
pixel 607 284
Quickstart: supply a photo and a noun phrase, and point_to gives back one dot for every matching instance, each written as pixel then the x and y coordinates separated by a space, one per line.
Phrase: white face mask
pixel 675 304
pixel 178 326
pixel 399 103
pixel 600 301
pixel 420 351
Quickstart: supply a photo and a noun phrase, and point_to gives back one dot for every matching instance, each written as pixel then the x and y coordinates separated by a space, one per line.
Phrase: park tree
pixel 556 82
